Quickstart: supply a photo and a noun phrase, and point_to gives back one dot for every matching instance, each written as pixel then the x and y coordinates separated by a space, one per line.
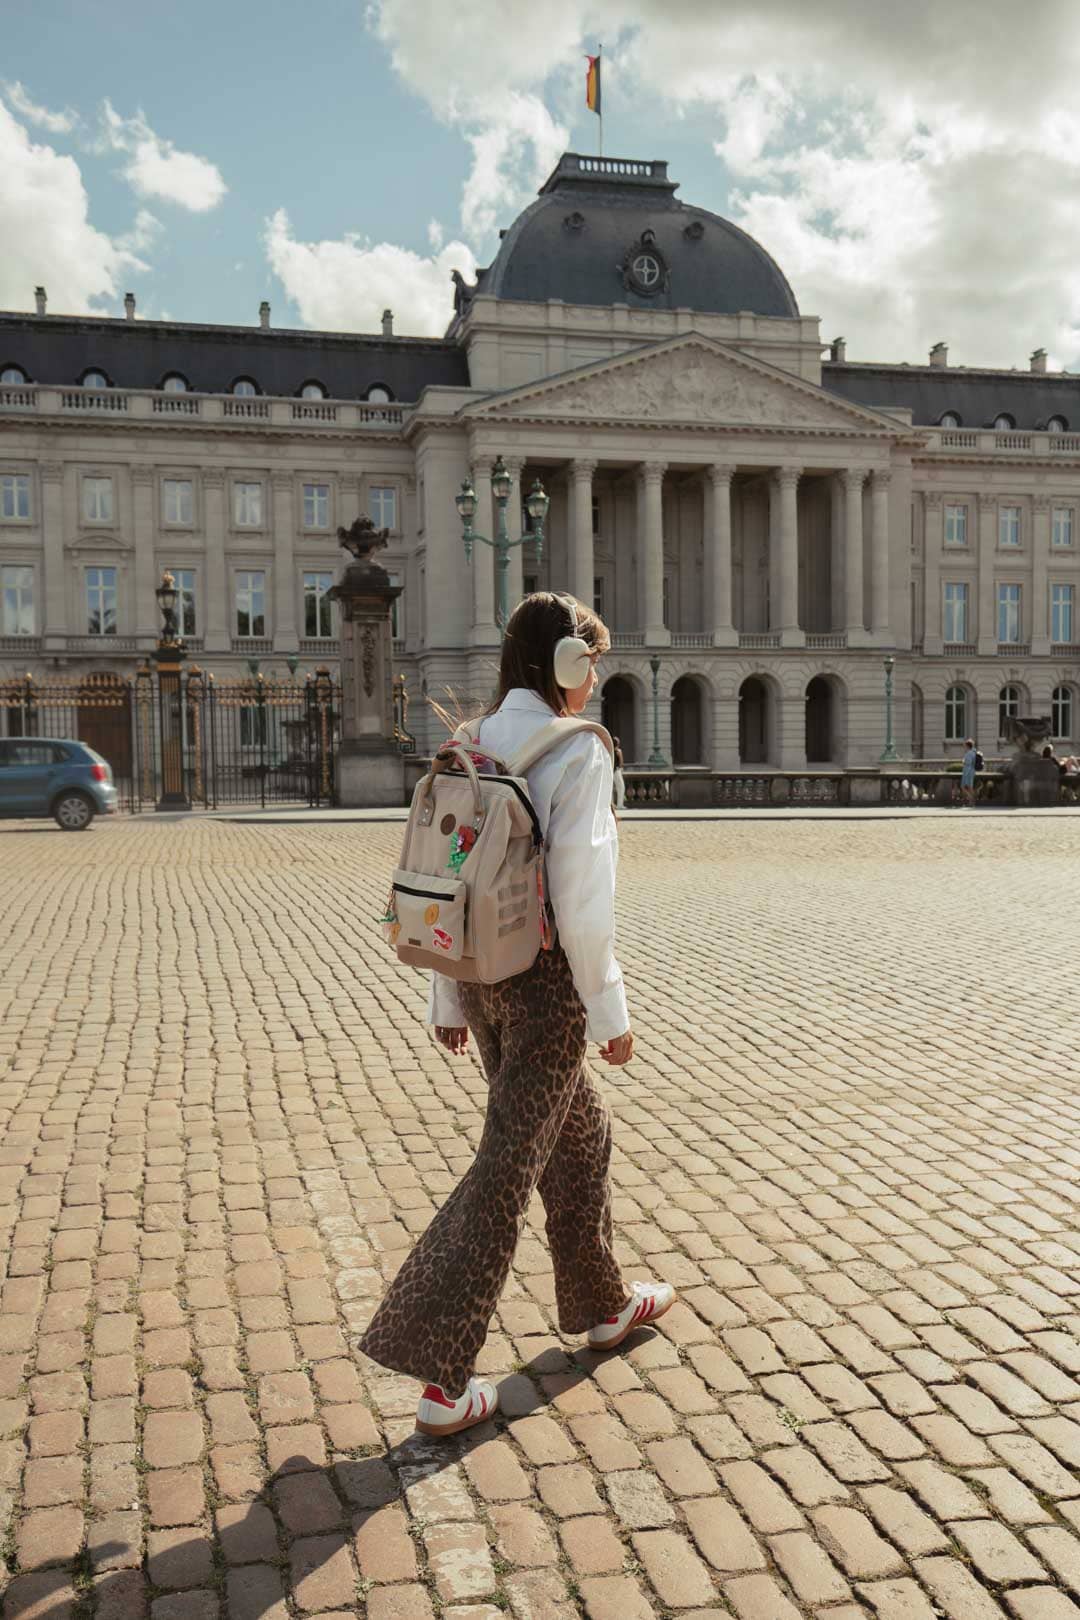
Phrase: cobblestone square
pixel 850 1138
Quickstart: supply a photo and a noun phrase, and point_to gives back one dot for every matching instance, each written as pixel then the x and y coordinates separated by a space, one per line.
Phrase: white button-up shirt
pixel 570 788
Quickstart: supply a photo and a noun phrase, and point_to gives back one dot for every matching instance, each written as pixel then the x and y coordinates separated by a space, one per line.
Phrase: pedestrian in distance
pixel 968 768
pixel 620 779
pixel 547 1126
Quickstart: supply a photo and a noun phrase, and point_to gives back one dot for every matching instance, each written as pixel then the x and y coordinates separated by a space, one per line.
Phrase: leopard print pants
pixel 547 1128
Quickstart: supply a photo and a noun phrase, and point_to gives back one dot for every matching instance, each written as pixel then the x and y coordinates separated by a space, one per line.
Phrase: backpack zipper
pixel 423 894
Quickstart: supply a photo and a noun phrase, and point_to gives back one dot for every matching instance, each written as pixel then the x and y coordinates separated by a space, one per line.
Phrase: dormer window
pixel 14 376
pixel 949 420
pixel 244 388
pixel 174 383
pixel 1057 424
pixel 378 395
pixel 1004 423
pixel 313 390
pixel 94 379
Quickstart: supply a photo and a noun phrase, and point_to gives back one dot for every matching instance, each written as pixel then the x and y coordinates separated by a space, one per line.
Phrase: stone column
pixel 650 553
pixel 784 556
pixel 880 616
pixel 146 571
pixel 219 604
pixel 581 566
pixel 717 532
pixel 1036 612
pixel 986 617
pixel 838 616
pixel 348 500
pixel 933 542
pixel 484 632
pixel 285 581
pixel 854 608
pixel 55 618
pixel 516 570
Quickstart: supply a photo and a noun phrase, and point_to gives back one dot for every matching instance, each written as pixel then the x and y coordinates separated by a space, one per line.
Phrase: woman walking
pixel 547 1126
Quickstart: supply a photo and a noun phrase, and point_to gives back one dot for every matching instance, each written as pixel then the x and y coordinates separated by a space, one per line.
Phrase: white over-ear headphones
pixel 572 655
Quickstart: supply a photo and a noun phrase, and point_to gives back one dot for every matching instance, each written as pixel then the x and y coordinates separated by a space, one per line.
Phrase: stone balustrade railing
pixel 150 405
pixel 991 442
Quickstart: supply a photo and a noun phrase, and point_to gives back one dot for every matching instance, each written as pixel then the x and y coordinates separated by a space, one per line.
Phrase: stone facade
pixel 715 489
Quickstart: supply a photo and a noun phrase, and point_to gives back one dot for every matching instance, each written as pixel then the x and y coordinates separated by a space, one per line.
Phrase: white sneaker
pixel 648 1301
pixel 438 1414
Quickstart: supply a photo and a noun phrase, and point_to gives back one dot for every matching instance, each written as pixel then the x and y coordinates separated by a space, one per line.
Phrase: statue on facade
pixel 463 293
pixel 363 539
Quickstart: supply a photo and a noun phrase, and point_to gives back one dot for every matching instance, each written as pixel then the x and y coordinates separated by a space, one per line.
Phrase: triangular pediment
pixel 686 381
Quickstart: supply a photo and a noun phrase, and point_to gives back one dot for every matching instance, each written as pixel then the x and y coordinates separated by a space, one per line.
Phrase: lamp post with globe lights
pixel 169 655
pixel 536 504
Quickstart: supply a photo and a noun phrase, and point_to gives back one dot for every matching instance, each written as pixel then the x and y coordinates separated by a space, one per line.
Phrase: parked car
pixel 55 776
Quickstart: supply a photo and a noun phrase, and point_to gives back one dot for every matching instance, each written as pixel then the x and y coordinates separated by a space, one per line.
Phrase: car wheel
pixel 73 812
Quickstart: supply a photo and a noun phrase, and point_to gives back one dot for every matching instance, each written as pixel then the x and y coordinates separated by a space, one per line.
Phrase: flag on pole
pixel 592 85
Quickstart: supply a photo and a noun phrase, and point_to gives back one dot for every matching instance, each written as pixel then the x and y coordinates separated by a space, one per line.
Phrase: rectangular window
pixel 184 579
pixel 598 595
pixel 382 506
pixel 248 506
pixel 251 601
pixel 956 526
pixel 397 611
pixel 956 613
pixel 317 605
pixel 316 506
pixel 16 600
pixel 177 504
pixel 1009 526
pixel 667 601
pixel 101 601
pixel 14 496
pixel 97 500
pixel 1008 597
pixel 1062 534
pixel 252 726
pixel 1062 598
pixel 596 514
pixel 528 585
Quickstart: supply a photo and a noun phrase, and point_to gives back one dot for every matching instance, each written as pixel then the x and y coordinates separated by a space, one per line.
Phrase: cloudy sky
pixel 912 165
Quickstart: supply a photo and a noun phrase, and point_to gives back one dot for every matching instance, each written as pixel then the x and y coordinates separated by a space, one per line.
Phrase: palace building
pixel 763 517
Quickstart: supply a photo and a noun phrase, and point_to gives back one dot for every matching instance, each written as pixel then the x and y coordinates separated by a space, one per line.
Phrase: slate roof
pixel 138 354
pixel 571 244
pixel 977 397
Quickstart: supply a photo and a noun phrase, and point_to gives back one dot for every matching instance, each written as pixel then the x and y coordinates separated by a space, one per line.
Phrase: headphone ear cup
pixel 571 662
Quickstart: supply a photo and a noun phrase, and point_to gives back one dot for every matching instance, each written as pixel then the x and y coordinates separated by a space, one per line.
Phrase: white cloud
pixel 346 285
pixel 57 123
pixel 155 168
pixel 48 237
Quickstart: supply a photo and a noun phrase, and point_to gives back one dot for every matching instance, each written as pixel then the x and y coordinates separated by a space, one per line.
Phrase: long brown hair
pixel 536 625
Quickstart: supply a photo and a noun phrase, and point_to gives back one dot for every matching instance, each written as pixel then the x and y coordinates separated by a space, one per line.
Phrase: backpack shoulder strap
pixel 549 736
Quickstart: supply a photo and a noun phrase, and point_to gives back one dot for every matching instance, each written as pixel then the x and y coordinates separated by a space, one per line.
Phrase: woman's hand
pixel 455 1040
pixel 619 1051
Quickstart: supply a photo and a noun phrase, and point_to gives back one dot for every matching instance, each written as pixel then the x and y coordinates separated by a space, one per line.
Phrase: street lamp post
pixel 169 655
pixel 536 504
pixel 656 758
pixel 888 754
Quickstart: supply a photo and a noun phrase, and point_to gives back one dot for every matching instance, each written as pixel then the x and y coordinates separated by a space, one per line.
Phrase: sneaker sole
pixel 613 1344
pixel 447 1429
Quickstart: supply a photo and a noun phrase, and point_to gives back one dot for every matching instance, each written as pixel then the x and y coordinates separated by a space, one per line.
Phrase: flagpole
pixel 600 82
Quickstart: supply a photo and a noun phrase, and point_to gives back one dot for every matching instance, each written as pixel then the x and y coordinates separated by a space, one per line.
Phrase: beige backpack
pixel 468 896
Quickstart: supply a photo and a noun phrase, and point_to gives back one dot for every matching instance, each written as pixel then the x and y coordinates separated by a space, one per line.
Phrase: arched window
pixel 313 390
pixel 14 375
pixel 174 383
pixel 1004 423
pixel 378 395
pixel 949 420
pixel 1057 424
pixel 244 387
pixel 94 379
pixel 1008 708
pixel 1061 711
pixel 956 714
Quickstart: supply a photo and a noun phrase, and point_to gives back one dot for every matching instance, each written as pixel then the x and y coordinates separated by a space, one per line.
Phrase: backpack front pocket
pixel 429 914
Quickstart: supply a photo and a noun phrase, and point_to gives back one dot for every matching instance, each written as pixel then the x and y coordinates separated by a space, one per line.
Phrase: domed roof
pixel 611 230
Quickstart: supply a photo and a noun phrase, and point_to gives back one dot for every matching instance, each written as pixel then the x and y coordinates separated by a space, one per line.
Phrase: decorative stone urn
pixel 1033 781
pixel 369 769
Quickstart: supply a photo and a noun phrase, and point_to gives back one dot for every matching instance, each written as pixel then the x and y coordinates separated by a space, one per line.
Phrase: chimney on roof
pixel 39 299
pixel 838 349
pixel 129 306
pixel 264 315
pixel 387 323
pixel 1038 360
pixel 939 354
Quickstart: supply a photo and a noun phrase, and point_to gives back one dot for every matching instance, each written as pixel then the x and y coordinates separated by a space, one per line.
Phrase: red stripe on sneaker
pixel 483 1404
pixel 434 1393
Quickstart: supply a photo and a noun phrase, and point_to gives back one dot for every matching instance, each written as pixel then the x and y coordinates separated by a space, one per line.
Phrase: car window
pixel 5 752
pixel 60 754
pixel 32 753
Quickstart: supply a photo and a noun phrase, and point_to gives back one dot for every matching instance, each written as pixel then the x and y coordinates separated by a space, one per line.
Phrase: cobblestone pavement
pixel 850 1138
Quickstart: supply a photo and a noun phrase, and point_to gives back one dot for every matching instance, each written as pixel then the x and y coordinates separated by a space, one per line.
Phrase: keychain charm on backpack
pixel 460 848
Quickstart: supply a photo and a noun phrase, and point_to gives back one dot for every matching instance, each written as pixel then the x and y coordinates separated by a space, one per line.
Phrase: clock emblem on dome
pixel 644 269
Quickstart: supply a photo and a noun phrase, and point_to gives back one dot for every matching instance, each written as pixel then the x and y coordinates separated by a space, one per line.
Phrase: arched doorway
pixel 754 728
pixel 618 712
pixel 687 722
pixel 820 722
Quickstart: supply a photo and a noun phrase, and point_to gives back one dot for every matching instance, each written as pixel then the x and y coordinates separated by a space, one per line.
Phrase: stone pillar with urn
pixel 369 766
